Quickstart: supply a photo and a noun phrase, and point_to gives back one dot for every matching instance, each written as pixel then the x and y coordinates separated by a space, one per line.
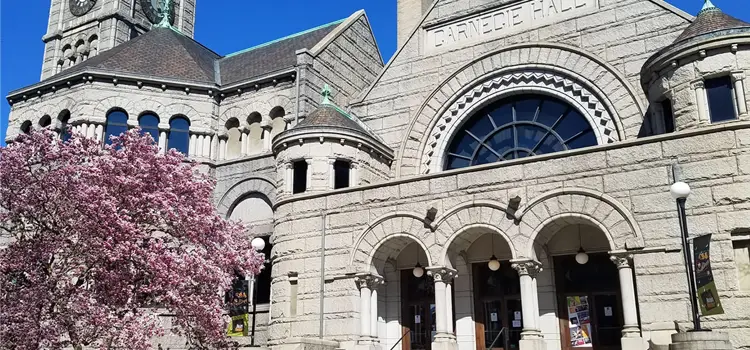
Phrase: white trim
pixel 544 82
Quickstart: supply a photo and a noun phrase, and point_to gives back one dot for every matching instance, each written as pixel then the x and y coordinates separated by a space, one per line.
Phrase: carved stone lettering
pixel 506 20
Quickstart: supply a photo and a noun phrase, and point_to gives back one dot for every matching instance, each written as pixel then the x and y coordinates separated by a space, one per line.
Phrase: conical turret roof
pixel 709 20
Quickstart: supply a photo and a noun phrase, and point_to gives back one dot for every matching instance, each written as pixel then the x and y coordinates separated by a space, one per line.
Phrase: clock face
pixel 80 7
pixel 153 9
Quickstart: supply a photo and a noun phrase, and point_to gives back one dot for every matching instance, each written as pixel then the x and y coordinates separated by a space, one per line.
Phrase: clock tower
pixel 81 29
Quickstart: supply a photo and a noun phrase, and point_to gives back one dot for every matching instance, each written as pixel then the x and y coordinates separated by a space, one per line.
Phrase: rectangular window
pixel 720 99
pixel 667 115
pixel 299 183
pixel 341 173
pixel 742 261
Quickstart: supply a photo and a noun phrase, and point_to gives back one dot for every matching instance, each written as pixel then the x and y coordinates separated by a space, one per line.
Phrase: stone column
pixel 700 99
pixel 444 340
pixel 332 173
pixel 368 301
pixel 83 129
pixel 354 174
pixel 266 135
pixel 191 147
pixel 222 148
pixel 199 146
pixel 631 333
pixel 163 141
pixel 309 174
pixel 289 178
pixel 214 144
pixel 99 133
pixel 243 143
pixel 91 131
pixel 206 146
pixel 528 270
pixel 739 91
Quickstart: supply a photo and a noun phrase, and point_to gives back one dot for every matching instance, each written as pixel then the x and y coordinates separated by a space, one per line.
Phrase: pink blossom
pixel 98 236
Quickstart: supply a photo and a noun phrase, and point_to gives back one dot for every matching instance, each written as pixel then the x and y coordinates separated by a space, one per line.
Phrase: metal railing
pixel 502 330
pixel 399 340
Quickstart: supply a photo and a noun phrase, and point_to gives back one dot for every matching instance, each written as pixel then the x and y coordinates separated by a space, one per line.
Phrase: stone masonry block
pixel 636 179
pixel 708 169
pixel 732 194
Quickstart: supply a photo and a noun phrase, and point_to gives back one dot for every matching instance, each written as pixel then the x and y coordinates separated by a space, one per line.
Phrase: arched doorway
pixel 586 283
pixel 487 294
pixel 401 311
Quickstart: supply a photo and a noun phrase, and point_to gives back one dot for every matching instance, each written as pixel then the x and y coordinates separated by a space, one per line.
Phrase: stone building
pixel 501 182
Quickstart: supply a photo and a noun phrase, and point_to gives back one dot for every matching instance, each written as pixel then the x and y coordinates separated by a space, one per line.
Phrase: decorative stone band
pixel 622 260
pixel 443 274
pixel 536 81
pixel 527 267
pixel 367 280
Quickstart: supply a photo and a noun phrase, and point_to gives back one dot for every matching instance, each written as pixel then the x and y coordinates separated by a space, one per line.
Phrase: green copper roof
pixel 285 38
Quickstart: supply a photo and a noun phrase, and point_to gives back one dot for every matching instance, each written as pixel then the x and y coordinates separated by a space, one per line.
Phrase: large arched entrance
pixel 584 285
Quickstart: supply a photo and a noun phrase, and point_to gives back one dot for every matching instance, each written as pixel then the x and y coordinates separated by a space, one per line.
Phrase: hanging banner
pixel 237 300
pixel 704 278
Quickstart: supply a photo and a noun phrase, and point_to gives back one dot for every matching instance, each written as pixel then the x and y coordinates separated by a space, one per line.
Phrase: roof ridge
pixel 284 38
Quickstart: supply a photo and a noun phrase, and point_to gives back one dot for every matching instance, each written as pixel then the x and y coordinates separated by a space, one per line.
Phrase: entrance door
pixel 590 306
pixel 418 311
pixel 497 306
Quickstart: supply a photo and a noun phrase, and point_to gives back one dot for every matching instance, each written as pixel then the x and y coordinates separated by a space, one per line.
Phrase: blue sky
pixel 225 26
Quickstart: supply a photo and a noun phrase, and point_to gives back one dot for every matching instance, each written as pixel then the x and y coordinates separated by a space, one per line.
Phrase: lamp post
pixel 258 244
pixel 680 191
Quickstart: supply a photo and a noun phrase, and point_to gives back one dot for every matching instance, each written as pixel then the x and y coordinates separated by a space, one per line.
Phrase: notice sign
pixel 238 326
pixel 704 278
pixel 505 20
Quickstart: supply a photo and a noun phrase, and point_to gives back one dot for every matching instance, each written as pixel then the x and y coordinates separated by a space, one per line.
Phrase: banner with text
pixel 704 278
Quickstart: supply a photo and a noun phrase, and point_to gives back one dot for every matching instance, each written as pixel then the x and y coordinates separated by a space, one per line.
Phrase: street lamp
pixel 258 244
pixel 680 192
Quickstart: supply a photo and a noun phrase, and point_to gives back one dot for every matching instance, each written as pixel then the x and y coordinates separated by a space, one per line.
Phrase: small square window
pixel 667 115
pixel 299 183
pixel 720 99
pixel 341 173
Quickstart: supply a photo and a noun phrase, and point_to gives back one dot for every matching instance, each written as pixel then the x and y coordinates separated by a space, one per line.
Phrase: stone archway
pixel 256 184
pixel 594 79
pixel 388 235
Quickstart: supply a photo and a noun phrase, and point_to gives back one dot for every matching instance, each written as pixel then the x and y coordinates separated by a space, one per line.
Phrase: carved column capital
pixel 443 274
pixel 699 84
pixel 622 260
pixel 370 281
pixel 737 76
pixel 528 267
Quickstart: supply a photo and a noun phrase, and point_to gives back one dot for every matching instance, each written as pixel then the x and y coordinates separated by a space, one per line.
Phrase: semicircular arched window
pixel 117 123
pixel 518 127
pixel 149 123
pixel 179 134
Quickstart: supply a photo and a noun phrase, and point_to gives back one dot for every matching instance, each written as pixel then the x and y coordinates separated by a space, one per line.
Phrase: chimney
pixel 408 14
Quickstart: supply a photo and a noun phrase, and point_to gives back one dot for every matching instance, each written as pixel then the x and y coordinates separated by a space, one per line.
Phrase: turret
pixel 330 149
pixel 699 79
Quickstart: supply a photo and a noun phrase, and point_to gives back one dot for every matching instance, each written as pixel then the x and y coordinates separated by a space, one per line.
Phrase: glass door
pixel 589 300
pixel 497 306
pixel 418 311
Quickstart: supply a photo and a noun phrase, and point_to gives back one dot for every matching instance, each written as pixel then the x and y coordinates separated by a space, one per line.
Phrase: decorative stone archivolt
pixel 255 184
pixel 539 219
pixel 519 82
pixel 386 236
pixel 608 84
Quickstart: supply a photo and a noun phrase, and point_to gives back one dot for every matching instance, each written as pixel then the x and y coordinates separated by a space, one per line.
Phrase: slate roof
pixel 166 53
pixel 270 57
pixel 159 53
pixel 709 20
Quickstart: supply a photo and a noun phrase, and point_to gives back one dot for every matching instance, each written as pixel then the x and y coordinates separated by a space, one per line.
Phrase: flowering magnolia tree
pixel 96 238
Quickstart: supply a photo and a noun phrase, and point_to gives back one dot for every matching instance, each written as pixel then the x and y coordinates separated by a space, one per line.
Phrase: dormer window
pixel 721 104
pixel 341 174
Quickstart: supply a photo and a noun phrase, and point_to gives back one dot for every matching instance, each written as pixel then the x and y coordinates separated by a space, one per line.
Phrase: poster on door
pixel 579 321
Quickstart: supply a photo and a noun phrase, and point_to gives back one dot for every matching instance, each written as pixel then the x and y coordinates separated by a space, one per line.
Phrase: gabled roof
pixel 270 57
pixel 709 20
pixel 158 53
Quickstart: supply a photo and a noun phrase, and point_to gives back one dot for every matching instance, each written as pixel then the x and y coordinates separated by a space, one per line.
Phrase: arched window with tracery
pixel 234 141
pixel 255 134
pixel 517 127
pixel 117 123
pixel 179 134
